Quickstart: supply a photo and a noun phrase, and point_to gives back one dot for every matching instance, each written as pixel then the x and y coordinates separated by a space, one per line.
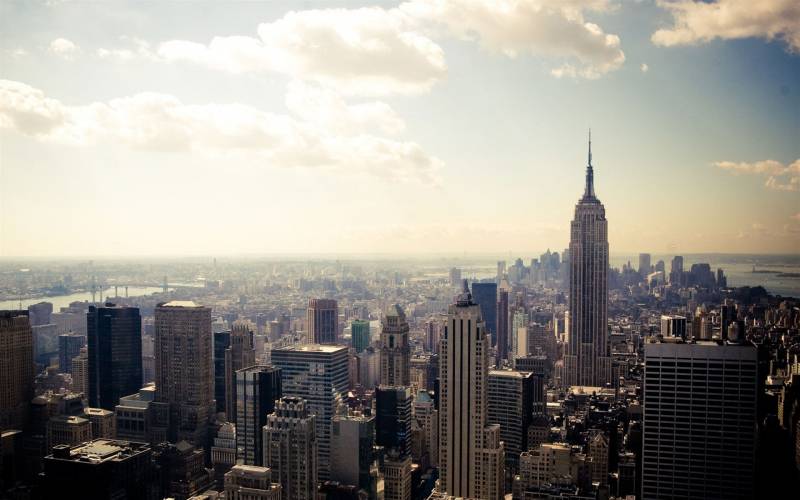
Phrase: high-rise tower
pixel 322 321
pixel 16 368
pixel 240 354
pixel 586 361
pixel 470 451
pixel 395 351
pixel 114 341
pixel 184 371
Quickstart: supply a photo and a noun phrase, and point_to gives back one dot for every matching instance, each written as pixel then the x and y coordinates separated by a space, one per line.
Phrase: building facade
pixel 257 389
pixel 184 402
pixel 240 353
pixel 114 342
pixel 322 321
pixel 587 361
pixel 699 425
pixel 470 452
pixel 290 448
pixel 16 368
pixel 395 350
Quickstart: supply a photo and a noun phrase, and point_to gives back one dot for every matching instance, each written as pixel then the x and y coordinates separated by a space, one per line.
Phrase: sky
pixel 443 126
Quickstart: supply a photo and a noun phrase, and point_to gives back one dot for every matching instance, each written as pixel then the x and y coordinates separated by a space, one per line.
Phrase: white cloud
pixel 377 51
pixel 138 48
pixel 63 48
pixel 553 30
pixel 359 51
pixel 779 177
pixel 644 68
pixel 160 122
pixel 699 22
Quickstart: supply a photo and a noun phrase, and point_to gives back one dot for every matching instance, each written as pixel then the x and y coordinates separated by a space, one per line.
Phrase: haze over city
pixel 133 129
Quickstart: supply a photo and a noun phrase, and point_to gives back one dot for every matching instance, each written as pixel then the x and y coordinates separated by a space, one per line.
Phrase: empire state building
pixel 586 361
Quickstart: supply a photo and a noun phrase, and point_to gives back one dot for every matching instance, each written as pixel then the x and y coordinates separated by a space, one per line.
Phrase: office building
pixel 257 389
pixel 598 452
pixel 290 448
pixel 485 295
pixel 587 360
pixel 223 453
pixel 114 342
pixel 222 340
pixel 645 267
pixel 16 368
pixel 240 353
pixel 395 351
pixel 68 429
pixel 102 421
pixel 673 326
pixel 132 416
pixel 100 469
pixel 427 417
pixel 396 476
pixel 352 439
pixel 470 451
pixel 502 326
pixel 360 334
pixel 510 406
pixel 69 347
pixel 318 374
pixel 184 402
pixel 80 373
pixel 322 321
pixel 393 418
pixel 249 482
pixel 699 420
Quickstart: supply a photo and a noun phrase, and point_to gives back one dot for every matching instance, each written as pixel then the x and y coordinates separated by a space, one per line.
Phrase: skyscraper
pixel 184 370
pixel 510 405
pixel 470 451
pixel 240 354
pixel 395 351
pixel 502 325
pixel 318 374
pixel 393 418
pixel 360 334
pixel 80 372
pixel 352 439
pixel 290 448
pixel 222 340
pixel 114 342
pixel 322 321
pixel 248 482
pixel 586 361
pixel 644 264
pixel 699 420
pixel 485 295
pixel 69 346
pixel 257 389
pixel 16 368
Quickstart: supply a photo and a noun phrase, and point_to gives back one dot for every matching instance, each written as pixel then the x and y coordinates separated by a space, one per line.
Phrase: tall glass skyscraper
pixel 114 341
pixel 485 295
pixel 586 361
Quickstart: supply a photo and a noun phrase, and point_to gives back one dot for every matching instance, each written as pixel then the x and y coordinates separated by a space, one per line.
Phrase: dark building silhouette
pixel 222 340
pixel 114 340
pixel 502 325
pixel 393 418
pixel 257 389
pixel 69 347
pixel 100 469
pixel 485 295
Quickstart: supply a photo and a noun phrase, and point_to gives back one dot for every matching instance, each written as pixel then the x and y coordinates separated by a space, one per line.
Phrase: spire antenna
pixel 590 146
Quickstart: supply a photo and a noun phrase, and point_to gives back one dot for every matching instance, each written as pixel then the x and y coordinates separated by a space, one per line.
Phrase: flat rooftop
pixel 180 303
pixel 325 348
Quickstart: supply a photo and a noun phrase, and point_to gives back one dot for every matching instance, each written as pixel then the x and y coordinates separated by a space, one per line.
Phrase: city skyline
pixel 471 137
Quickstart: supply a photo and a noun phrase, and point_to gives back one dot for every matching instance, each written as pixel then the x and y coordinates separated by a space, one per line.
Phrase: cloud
pixel 357 51
pixel 699 22
pixel 377 51
pixel 553 30
pixel 61 47
pixel 159 122
pixel 644 68
pixel 780 177
pixel 139 48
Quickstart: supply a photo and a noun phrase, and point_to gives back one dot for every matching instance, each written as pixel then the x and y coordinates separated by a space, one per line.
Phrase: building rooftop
pixel 326 348
pixel 509 373
pixel 97 411
pixel 180 303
